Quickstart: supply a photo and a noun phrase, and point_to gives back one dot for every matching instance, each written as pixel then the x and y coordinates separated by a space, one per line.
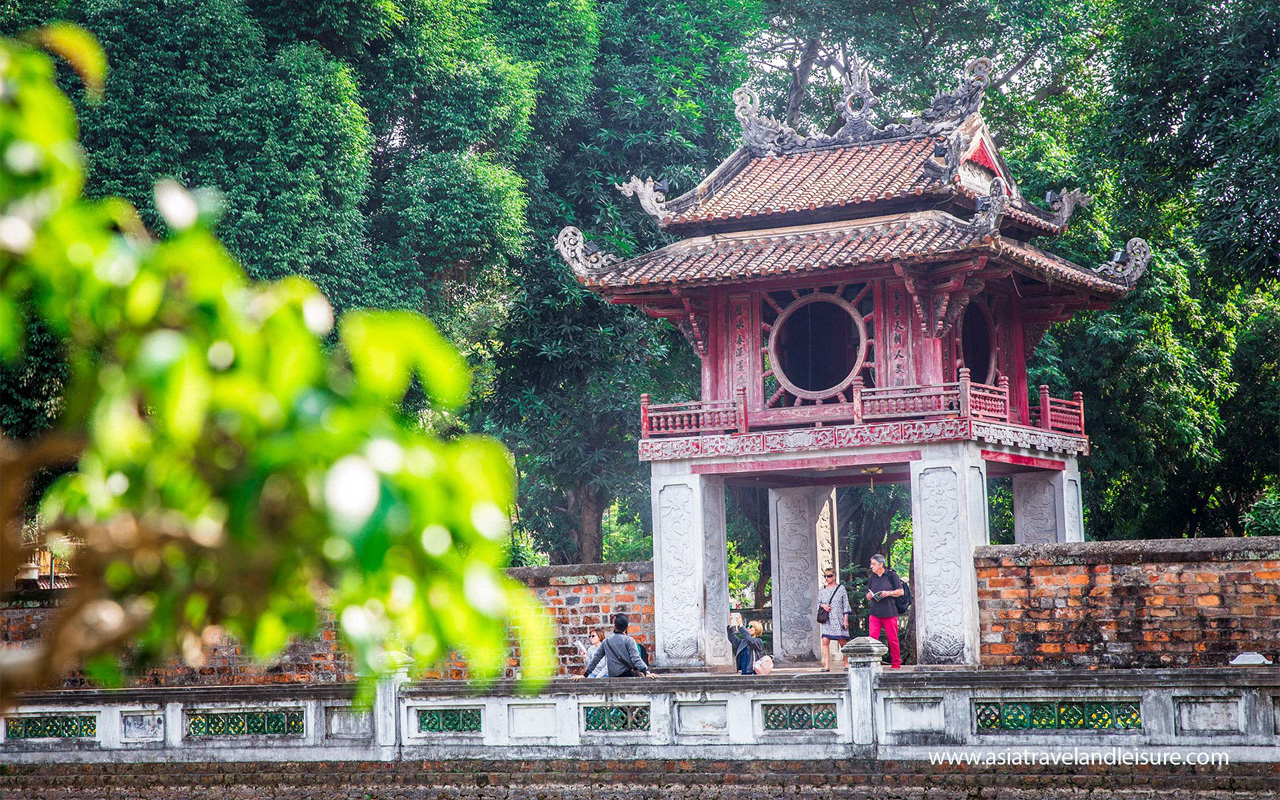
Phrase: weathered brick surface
pixel 633 780
pixel 1157 603
pixel 578 597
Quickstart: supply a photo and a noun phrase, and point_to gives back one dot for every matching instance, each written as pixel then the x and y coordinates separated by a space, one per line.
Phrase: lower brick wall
pixel 1152 603
pixel 578 597
pixel 633 780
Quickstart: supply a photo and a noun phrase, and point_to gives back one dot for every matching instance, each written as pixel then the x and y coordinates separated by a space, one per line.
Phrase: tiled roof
pixel 840 176
pixel 757 254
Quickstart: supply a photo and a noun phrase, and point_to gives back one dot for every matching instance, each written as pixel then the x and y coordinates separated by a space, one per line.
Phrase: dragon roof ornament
pixel 763 134
pixel 583 257
pixel 990 210
pixel 652 196
pixel 1129 264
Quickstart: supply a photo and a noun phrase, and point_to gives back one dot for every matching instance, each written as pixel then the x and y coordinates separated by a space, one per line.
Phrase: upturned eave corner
pixel 1129 264
pixel 652 195
pixel 587 261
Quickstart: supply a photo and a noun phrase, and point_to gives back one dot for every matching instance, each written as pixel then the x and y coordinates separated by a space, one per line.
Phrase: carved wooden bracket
pixel 940 297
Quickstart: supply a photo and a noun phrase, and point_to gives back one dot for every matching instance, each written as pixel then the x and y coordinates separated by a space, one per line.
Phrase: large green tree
pixel 1166 116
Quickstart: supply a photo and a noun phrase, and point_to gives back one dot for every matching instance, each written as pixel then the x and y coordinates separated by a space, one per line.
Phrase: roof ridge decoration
pixel 652 196
pixel 1129 264
pixel 765 135
pixel 1064 203
pixel 989 210
pixel 585 258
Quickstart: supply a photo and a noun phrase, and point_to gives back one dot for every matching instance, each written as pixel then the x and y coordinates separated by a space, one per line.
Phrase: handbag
pixel 823 614
pixel 764 665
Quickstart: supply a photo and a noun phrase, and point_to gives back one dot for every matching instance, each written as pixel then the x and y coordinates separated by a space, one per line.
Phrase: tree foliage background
pixel 421 154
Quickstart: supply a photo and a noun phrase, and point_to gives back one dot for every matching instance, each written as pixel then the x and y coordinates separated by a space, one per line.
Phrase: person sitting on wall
pixel 882 587
pixel 747 643
pixel 620 652
pixel 597 638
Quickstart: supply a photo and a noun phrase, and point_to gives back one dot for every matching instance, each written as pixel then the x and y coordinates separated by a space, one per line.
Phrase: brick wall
pixel 578 597
pixel 1154 603
pixel 639 779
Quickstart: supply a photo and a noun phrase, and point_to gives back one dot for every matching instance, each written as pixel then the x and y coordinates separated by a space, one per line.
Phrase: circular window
pixel 978 344
pixel 817 346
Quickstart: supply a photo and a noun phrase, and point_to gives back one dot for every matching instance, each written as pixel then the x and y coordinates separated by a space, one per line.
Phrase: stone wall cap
pixel 1114 679
pixel 1135 551
pixel 573 574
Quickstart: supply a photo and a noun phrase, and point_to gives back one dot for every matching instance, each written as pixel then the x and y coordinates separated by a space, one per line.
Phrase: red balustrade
pixel 962 398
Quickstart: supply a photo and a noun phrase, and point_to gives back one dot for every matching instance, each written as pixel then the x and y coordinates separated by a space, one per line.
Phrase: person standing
pixel 884 585
pixel 833 603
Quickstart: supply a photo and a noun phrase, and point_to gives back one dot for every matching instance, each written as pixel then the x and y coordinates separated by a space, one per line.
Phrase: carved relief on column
pixel 979 528
pixel 826 531
pixel 681 619
pixel 715 568
pixel 944 553
pixel 1035 512
pixel 795 570
pixel 1072 509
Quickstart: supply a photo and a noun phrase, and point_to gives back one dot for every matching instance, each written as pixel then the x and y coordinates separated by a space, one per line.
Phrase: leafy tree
pixel 231 472
pixel 571 367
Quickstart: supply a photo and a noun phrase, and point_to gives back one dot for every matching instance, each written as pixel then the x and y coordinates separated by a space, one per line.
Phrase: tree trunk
pixel 588 503
pixel 800 79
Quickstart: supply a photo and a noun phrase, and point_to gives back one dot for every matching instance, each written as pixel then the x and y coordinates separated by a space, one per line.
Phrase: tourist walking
pixel 619 652
pixel 884 585
pixel 833 616
pixel 746 642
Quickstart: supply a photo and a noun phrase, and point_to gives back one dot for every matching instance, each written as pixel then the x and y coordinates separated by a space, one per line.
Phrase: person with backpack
pixel 620 652
pixel 885 590
pixel 833 616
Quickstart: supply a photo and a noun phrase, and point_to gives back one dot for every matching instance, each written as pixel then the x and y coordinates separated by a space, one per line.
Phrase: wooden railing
pixel 683 419
pixel 962 398
pixel 1064 416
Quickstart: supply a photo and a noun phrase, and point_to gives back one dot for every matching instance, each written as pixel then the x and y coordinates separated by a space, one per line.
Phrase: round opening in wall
pixel 817 346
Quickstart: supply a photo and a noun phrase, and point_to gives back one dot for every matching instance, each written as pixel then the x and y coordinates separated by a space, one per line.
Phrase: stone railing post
pixel 863 656
pixel 386 708
pixel 644 416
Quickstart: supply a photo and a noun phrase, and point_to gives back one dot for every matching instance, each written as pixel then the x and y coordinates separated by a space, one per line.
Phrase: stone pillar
pixel 690 568
pixel 949 517
pixel 828 534
pixel 863 656
pixel 793 523
pixel 1047 506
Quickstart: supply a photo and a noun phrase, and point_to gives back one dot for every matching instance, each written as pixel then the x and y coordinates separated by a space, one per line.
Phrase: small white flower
pixel 351 491
pixel 436 540
pixel 221 354
pixel 16 234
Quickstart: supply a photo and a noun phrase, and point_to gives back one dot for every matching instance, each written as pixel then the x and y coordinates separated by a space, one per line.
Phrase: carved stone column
pixel 691 580
pixel 949 517
pixel 827 533
pixel 793 522
pixel 1047 506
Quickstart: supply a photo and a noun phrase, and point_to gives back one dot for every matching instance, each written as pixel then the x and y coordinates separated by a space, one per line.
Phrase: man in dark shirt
pixel 882 587
pixel 621 653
